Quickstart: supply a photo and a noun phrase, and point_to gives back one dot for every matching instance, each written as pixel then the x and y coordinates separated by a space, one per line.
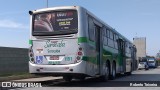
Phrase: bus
pixel 152 62
pixel 71 42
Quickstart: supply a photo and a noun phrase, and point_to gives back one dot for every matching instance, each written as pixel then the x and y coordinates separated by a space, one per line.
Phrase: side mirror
pixel 30 12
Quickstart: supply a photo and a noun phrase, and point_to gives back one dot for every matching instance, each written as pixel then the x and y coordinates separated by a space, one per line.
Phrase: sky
pixel 132 18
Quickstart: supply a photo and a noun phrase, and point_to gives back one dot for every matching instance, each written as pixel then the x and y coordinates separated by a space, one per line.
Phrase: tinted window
pixel 91 29
pixel 104 32
pixel 56 21
pixel 111 35
pixel 107 33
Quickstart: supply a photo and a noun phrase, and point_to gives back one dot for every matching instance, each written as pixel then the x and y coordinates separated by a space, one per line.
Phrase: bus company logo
pixel 64 14
pixel 39 59
pixel 54 41
pixel 61 14
pixel 6 84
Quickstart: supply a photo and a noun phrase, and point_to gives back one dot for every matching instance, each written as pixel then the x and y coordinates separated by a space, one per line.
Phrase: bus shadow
pixel 120 81
pixel 89 82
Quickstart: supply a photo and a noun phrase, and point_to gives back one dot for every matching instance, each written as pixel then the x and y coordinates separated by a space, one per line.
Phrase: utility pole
pixel 47 3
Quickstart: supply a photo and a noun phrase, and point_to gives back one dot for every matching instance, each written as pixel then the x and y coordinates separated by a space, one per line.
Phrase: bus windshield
pixel 55 23
pixel 151 61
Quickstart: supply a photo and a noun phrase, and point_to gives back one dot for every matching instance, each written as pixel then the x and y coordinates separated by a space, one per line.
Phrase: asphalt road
pixel 124 82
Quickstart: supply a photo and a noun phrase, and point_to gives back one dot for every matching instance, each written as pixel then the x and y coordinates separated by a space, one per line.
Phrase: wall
pixel 13 60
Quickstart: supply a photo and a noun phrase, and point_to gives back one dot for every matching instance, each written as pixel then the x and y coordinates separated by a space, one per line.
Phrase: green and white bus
pixel 70 41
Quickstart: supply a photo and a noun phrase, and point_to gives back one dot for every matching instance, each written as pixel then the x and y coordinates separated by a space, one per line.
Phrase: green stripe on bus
pixel 30 42
pixel 90 59
pixel 82 39
pixel 107 55
pixel 85 40
pixel 105 52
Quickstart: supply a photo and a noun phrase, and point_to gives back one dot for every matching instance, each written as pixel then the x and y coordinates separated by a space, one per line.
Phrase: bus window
pixel 108 33
pixel 115 41
pixel 104 32
pixel 105 41
pixel 91 30
pixel 117 37
pixel 55 22
pixel 114 37
pixel 111 35
pixel 110 43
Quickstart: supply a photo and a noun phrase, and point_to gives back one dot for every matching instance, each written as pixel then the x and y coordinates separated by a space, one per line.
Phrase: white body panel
pixel 78 68
pixel 43 47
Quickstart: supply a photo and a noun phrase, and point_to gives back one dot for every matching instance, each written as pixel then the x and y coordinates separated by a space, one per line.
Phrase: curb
pixel 9 78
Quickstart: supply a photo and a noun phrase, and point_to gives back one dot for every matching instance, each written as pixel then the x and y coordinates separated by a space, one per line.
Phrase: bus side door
pixel 121 50
pixel 99 45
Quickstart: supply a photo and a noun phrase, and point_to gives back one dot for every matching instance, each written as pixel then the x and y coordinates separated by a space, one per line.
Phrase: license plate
pixel 54 57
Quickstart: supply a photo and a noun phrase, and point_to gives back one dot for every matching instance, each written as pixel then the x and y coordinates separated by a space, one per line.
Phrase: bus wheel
pixel 106 73
pixel 67 78
pixel 113 74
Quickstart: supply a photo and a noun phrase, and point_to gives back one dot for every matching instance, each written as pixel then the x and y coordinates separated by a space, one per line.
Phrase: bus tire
pixel 113 73
pixel 67 78
pixel 105 77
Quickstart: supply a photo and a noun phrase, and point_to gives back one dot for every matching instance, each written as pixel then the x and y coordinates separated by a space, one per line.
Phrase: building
pixel 158 57
pixel 140 43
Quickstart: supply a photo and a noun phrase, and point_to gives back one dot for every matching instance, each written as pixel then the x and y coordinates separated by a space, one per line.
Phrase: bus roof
pixel 76 7
pixel 109 27
pixel 55 8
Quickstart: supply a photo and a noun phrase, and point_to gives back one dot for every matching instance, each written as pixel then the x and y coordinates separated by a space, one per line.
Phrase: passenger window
pixel 115 42
pixel 114 37
pixel 108 33
pixel 104 32
pixel 111 35
pixel 117 37
pixel 91 29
